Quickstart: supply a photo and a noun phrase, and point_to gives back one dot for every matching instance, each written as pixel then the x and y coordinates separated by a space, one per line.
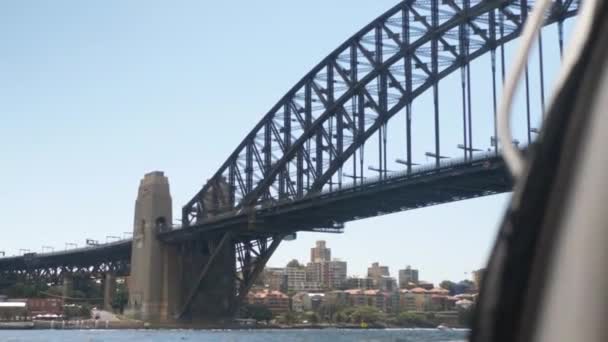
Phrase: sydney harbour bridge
pixel 400 116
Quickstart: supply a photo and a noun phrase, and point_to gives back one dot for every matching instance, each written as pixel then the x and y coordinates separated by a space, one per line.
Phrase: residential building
pixel 422 298
pixel 425 285
pixel 338 298
pixel 375 298
pixel 356 297
pixel 407 300
pixel 314 272
pixel 359 283
pixel 407 276
pixel 276 301
pixel 307 301
pixel 391 300
pixel 386 284
pixel 13 311
pixel 320 252
pixel 296 277
pixel 335 277
pixel 376 272
pixel 439 300
pixel 330 274
pixel 275 279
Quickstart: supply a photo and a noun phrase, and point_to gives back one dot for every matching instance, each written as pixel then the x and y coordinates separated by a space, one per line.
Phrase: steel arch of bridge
pixel 301 143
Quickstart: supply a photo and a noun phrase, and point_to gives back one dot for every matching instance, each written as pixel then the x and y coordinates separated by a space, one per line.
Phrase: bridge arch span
pixel 302 142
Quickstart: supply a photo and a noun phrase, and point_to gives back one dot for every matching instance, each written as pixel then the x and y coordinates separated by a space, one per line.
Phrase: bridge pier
pixel 208 279
pixel 109 290
pixel 67 285
pixel 151 263
pixel 164 284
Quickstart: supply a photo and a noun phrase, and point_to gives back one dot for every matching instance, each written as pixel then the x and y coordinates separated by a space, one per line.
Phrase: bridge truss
pixel 320 128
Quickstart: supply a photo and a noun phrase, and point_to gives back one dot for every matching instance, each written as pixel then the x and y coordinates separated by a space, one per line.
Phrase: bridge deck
pixel 452 181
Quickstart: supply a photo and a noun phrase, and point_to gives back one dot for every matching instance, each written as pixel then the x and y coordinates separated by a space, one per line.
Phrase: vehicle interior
pixel 549 258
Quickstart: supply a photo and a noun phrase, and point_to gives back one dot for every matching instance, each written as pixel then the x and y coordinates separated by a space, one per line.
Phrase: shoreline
pixel 138 325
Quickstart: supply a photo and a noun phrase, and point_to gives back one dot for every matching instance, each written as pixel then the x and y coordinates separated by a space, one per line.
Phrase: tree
pixel 311 317
pixel 328 311
pixel 367 314
pixel 294 263
pixel 258 312
pixel 289 317
pixel 121 297
pixel 448 285
pixel 412 320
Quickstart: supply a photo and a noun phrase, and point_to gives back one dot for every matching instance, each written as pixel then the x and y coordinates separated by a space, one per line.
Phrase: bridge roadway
pixel 114 257
pixel 455 179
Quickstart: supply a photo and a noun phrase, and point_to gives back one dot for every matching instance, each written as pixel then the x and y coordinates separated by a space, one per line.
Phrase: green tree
pixel 121 297
pixel 289 317
pixel 448 285
pixel 327 312
pixel 258 312
pixel 367 314
pixel 412 320
pixel 311 317
pixel 294 263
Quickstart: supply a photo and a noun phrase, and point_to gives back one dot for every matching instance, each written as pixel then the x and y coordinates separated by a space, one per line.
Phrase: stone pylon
pixel 152 283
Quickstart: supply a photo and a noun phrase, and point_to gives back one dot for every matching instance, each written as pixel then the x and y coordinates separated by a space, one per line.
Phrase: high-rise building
pixel 360 283
pixel 406 276
pixel 296 278
pixel 320 253
pixel 376 272
pixel 330 274
pixel 386 284
pixel 275 278
pixel 336 274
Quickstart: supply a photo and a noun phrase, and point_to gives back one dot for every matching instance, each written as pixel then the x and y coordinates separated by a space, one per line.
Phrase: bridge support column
pixel 109 289
pixel 208 280
pixel 152 264
pixel 67 284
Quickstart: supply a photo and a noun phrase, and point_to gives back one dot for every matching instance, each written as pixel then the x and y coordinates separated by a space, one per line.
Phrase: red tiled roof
pixel 439 290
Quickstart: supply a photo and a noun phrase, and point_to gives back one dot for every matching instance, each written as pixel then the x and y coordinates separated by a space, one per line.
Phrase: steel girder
pixel 252 253
pixel 55 274
pixel 301 143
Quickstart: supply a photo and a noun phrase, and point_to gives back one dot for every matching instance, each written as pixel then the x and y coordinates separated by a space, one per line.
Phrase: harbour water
pixel 329 335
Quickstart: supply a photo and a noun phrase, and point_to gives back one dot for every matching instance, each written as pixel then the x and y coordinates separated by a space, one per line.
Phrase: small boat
pixel 443 327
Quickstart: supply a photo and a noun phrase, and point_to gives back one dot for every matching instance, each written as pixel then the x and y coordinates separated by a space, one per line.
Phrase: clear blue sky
pixel 95 94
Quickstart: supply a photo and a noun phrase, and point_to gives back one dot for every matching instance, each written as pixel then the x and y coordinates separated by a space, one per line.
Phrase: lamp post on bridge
pixel 70 244
pixel 3 254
